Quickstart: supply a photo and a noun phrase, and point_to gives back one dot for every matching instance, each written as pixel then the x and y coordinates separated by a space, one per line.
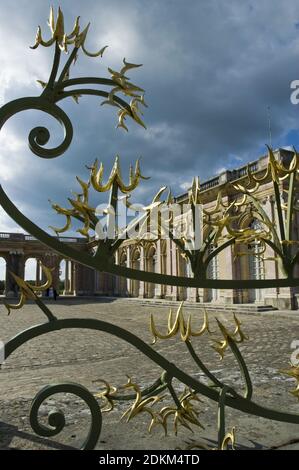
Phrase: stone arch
pixel 51 260
pixel 67 277
pixel 32 270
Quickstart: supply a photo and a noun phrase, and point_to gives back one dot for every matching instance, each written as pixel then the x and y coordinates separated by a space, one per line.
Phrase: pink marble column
pixel 129 281
pixel 168 267
pixel 175 269
pixel 158 268
pixel 117 289
pixel 142 268
pixel 226 271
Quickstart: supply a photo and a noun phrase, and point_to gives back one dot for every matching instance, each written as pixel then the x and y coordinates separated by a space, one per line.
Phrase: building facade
pixel 163 256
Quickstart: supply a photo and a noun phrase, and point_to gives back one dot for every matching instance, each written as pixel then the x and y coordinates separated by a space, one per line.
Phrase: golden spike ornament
pixel 219 206
pixel 142 405
pixel 238 336
pixel 124 86
pixel 63 39
pixel 225 222
pixel 275 170
pixel 250 187
pixel 221 223
pixel 249 235
pixel 106 395
pixel 96 177
pixel 183 415
pixel 27 290
pixel 81 209
pixel 119 81
pixel 194 196
pixel 179 325
pixel 229 438
pixel 63 229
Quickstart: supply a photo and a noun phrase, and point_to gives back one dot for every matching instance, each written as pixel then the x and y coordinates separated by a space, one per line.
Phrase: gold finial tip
pixel 61 38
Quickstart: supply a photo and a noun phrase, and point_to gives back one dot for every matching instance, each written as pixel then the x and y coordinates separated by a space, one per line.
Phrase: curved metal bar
pixel 274 247
pixel 55 67
pixel 290 205
pixel 45 309
pixel 39 136
pixel 243 368
pixel 220 248
pixel 86 81
pixel 238 402
pixel 207 242
pixel 279 212
pixel 295 259
pixel 221 416
pixel 201 365
pixel 168 379
pixel 265 217
pixel 92 92
pixel 67 66
pixel 43 236
pixel 157 387
pixel 57 420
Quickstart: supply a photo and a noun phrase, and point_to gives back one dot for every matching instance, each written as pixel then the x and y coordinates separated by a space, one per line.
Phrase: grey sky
pixel 210 69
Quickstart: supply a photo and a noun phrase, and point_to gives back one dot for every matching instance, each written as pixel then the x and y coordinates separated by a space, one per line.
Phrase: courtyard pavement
pixel 83 356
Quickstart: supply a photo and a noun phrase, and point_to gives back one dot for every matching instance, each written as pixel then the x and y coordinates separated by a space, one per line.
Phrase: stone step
pixel 218 307
pixel 244 308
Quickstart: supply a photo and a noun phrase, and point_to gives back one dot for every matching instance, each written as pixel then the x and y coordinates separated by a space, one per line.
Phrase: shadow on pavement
pixel 9 432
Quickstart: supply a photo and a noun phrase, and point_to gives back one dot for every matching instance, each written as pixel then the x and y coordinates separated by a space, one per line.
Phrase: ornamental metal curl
pixel 59 88
pixel 56 419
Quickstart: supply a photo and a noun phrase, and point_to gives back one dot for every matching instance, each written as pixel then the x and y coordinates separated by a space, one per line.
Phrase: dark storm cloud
pixel 211 69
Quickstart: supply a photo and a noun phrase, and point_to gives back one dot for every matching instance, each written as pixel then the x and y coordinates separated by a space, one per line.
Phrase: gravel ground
pixel 83 356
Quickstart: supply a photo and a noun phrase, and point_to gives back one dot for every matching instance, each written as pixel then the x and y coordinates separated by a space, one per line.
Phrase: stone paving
pixel 83 356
